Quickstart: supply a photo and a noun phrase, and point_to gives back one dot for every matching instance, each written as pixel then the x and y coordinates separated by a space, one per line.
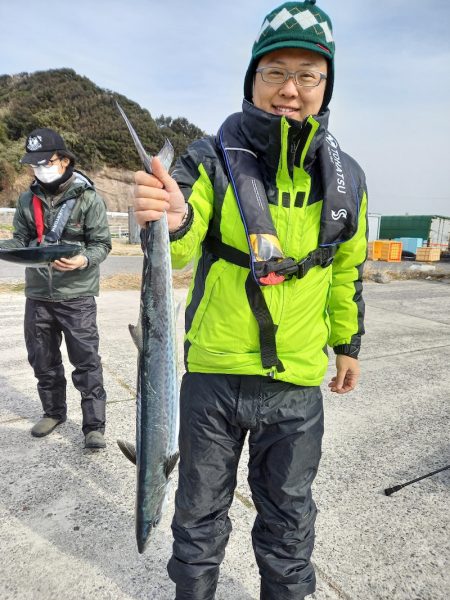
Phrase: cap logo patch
pixel 305 19
pixel 34 143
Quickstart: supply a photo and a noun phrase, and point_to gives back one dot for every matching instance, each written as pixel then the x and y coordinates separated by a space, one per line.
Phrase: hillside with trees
pixel 87 118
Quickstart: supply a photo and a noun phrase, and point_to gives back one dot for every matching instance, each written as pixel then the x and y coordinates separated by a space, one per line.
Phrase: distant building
pixel 374 226
pixel 433 229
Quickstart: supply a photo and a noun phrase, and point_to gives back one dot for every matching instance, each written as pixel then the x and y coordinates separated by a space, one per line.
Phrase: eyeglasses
pixel 48 164
pixel 278 76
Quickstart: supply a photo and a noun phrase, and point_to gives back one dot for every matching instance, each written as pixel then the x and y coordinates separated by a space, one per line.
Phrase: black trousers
pixel 285 425
pixel 45 322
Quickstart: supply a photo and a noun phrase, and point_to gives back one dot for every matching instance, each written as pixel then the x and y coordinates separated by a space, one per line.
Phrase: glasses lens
pixel 278 75
pixel 274 75
pixel 49 163
pixel 307 78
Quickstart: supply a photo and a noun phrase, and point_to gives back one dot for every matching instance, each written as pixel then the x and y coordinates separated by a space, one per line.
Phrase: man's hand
pixel 70 264
pixel 347 374
pixel 154 194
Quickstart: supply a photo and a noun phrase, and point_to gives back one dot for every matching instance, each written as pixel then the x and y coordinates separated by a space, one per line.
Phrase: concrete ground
pixel 67 514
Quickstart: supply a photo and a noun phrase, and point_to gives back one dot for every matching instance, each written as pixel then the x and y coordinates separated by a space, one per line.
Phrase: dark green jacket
pixel 87 226
pixel 324 308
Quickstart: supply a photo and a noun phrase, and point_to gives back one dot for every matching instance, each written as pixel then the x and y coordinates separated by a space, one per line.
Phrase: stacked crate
pixel 388 250
pixel 428 254
pixel 391 251
pixel 374 250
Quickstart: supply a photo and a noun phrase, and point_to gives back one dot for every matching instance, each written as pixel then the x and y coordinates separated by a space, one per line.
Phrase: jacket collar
pixel 263 134
pixel 71 188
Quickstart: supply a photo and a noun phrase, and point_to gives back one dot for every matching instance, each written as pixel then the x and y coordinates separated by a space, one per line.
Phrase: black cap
pixel 42 144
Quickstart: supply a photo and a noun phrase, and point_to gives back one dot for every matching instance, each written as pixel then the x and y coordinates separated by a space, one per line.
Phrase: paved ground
pixel 11 272
pixel 66 515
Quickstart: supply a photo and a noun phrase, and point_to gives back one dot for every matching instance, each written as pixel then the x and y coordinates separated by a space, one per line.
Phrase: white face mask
pixel 47 174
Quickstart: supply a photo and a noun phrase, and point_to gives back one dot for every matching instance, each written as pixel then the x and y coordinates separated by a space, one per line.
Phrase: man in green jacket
pixel 62 205
pixel 273 214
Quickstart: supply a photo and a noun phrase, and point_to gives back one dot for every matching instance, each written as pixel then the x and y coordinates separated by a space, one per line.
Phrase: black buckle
pixel 328 262
pixel 311 261
pixel 304 266
pixel 288 268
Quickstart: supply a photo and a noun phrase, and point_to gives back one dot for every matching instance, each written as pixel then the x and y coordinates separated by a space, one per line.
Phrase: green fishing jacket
pixel 87 226
pixel 323 308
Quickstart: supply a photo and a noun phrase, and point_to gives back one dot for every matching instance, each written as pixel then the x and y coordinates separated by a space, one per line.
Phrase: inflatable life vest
pixel 54 235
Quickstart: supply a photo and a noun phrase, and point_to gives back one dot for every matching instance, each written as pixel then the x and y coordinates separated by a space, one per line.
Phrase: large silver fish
pixel 156 453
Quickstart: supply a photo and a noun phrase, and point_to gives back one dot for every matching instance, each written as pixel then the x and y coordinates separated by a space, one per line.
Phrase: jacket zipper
pixel 49 267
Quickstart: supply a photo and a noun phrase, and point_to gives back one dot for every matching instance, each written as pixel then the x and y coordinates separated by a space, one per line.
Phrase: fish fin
pixel 170 463
pixel 166 154
pixel 136 336
pixel 128 449
pixel 145 158
pixel 177 310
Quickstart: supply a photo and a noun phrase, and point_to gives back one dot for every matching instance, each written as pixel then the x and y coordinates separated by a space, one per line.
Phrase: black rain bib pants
pixel 45 322
pixel 285 425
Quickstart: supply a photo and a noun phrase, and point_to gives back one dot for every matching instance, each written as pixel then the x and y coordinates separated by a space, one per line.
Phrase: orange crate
pixel 374 250
pixel 391 251
pixel 428 254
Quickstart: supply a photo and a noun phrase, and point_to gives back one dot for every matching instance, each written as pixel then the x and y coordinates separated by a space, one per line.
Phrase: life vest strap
pixel 322 256
pixel 267 329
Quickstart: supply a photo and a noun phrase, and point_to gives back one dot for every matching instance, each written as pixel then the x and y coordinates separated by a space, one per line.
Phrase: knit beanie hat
pixel 294 25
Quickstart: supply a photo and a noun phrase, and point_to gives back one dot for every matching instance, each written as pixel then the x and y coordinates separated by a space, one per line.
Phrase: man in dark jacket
pixel 274 215
pixel 62 205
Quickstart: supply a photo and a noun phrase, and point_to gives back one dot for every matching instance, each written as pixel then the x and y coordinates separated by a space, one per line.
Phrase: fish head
pixel 150 514
pixel 144 533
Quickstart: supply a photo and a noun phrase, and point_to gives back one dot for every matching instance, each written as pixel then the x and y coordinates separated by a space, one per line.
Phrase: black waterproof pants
pixel 45 322
pixel 285 425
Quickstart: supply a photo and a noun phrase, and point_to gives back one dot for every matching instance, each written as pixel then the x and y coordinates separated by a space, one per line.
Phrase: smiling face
pixel 288 99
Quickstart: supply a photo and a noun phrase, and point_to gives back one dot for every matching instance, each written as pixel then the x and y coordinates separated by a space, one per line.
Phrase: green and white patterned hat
pixel 294 25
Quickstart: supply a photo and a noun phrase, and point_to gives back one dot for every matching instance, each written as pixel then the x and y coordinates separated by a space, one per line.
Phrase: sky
pixel 391 102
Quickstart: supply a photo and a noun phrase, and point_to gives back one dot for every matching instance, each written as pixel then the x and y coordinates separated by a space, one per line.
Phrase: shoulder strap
pixel 340 208
pixel 244 173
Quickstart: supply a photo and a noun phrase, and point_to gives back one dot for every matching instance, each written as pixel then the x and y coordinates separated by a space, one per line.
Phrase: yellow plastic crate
pixel 428 254
pixel 374 250
pixel 391 251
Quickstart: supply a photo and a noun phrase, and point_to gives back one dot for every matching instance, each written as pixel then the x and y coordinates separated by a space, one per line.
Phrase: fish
pixel 39 256
pixel 157 396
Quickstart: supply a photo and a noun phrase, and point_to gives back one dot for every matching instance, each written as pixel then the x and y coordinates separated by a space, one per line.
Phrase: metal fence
pixel 119 231
pixel 121 224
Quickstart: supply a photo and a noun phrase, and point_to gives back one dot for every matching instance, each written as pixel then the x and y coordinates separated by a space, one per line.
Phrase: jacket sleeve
pixel 192 172
pixel 22 235
pixel 97 237
pixel 346 304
